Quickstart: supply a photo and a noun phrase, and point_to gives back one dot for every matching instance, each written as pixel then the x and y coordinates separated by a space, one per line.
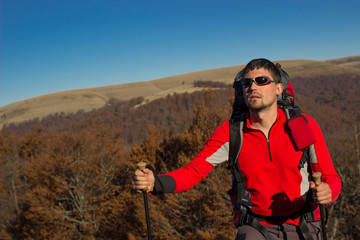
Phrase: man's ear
pixel 279 88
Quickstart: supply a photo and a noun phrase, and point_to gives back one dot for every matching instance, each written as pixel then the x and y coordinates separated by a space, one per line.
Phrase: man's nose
pixel 252 85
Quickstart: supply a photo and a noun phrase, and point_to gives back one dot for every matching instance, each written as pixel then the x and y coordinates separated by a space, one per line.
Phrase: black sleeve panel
pixel 164 184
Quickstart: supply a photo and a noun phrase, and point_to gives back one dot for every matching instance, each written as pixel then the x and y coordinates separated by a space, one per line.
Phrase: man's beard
pixel 258 103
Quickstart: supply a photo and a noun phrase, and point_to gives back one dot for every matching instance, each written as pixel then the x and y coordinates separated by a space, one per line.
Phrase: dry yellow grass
pixel 93 98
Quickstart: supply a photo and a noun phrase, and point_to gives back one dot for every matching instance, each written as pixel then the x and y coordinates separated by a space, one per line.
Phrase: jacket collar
pixel 280 116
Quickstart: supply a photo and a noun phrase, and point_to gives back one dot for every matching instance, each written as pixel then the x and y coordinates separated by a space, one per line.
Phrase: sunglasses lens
pixel 246 82
pixel 261 80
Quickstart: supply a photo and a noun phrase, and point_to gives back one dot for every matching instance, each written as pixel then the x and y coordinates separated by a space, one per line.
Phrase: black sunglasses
pixel 246 82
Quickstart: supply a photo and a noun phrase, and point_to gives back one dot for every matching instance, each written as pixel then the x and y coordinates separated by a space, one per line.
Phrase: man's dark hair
pixel 263 63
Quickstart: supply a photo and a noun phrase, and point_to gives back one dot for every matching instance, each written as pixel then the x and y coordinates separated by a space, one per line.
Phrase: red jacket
pixel 270 167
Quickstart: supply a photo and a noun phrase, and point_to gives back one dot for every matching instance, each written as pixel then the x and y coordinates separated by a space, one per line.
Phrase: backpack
pixel 300 133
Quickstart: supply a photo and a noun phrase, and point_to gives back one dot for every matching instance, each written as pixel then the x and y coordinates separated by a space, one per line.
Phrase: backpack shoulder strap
pixel 235 138
pixel 235 141
pixel 235 144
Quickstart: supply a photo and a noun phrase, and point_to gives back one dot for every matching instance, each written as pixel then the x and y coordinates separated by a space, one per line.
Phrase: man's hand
pixel 321 193
pixel 143 180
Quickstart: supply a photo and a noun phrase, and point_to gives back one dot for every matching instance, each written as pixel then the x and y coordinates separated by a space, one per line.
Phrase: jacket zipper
pixel 267 140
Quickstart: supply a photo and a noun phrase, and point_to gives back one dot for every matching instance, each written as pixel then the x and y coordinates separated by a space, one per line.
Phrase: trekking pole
pixel 141 166
pixel 317 180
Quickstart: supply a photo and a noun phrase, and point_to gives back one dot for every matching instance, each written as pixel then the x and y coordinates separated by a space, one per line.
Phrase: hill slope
pixel 93 98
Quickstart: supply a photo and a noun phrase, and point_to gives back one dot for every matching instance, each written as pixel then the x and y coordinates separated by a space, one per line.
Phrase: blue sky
pixel 53 45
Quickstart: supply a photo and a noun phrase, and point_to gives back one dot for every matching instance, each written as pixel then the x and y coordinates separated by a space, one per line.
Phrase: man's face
pixel 261 97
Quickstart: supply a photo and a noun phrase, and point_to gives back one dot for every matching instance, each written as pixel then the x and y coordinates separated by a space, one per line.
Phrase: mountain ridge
pixel 71 101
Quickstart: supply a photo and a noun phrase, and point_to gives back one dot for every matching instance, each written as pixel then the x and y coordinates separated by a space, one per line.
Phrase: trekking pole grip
pixel 141 166
pixel 317 178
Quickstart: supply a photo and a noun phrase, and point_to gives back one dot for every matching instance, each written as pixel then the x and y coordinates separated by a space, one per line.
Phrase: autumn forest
pixel 68 176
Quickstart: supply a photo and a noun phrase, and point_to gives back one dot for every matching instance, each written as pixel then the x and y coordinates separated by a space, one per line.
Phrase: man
pixel 268 160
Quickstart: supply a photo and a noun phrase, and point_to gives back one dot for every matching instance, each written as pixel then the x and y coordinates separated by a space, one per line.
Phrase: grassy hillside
pixel 94 98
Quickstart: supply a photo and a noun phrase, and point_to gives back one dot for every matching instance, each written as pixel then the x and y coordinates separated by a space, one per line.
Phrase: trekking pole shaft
pixel 147 215
pixel 141 166
pixel 317 180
